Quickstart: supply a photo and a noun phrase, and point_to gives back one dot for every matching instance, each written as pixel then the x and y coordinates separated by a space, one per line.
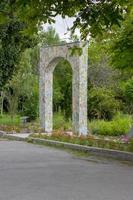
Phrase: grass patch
pixel 120 125
pixel 59 122
pixel 8 120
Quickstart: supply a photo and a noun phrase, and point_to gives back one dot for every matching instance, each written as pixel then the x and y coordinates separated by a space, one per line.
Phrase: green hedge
pixel 120 125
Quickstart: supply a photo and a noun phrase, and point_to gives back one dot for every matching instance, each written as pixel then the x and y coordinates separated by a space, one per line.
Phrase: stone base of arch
pixel 49 58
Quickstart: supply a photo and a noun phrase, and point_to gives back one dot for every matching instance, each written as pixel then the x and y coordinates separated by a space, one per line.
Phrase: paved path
pixel 32 172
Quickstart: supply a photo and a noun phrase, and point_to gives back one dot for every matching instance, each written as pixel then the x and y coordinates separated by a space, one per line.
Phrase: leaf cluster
pixel 122 45
pixel 12 41
pixel 91 17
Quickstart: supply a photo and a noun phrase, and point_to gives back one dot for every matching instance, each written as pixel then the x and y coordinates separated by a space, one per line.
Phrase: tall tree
pixel 49 37
pixel 12 41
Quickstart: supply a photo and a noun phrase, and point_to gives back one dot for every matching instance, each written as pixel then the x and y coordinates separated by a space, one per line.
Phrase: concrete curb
pixel 2 133
pixel 120 155
pixel 125 156
pixel 12 137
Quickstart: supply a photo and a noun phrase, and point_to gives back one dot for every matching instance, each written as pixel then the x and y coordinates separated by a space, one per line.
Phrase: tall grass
pixel 120 125
pixel 59 122
pixel 8 120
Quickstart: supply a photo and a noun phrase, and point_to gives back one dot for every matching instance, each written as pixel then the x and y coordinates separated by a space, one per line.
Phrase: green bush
pixel 130 146
pixel 126 92
pixel 8 120
pixel 119 125
pixel 101 103
pixel 60 122
pixel 31 104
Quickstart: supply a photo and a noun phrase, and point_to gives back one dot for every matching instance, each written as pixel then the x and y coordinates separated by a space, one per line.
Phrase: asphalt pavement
pixel 33 172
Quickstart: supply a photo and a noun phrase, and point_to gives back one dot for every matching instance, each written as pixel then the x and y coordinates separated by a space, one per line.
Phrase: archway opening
pixel 62 96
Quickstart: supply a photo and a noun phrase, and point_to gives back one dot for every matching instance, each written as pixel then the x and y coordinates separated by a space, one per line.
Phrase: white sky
pixel 61 25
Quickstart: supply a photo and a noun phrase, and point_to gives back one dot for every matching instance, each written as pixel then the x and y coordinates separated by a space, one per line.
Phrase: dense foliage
pixel 12 41
pixel 90 16
pixel 110 64
pixel 102 103
pixel 119 125
pixel 12 44
pixel 63 88
pixel 122 45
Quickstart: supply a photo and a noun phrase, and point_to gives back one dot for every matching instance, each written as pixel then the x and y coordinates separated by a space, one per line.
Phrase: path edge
pixel 120 155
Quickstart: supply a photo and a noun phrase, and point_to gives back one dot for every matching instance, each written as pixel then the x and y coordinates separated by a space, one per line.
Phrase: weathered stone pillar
pixel 80 93
pixel 46 94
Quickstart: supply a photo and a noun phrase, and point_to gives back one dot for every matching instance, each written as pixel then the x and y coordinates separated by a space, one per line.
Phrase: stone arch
pixel 52 64
pixel 49 58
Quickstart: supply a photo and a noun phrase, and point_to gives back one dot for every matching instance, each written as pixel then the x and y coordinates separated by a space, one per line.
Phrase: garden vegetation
pixel 110 64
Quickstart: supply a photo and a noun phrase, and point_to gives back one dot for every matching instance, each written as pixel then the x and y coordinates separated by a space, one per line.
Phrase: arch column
pixel 47 111
pixel 46 97
pixel 79 94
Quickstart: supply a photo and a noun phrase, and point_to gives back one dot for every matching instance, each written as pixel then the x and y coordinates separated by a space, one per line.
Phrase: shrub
pixel 31 105
pixel 60 122
pixel 101 103
pixel 120 125
pixel 130 146
pixel 126 89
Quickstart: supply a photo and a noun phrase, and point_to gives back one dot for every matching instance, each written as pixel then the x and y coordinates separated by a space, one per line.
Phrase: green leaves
pixel 12 43
pixel 95 18
pixel 122 45
pixel 63 88
pixel 126 89
pixel 75 51
pixel 91 17
pixel 102 103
